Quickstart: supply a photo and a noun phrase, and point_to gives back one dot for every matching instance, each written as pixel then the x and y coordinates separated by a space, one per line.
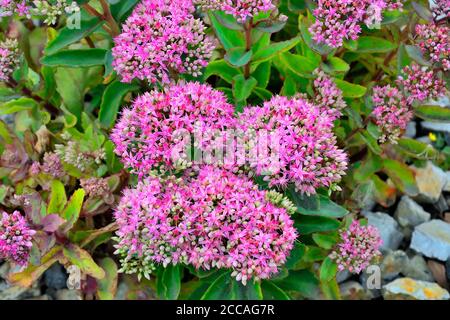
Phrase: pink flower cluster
pixel 161 37
pixel 307 152
pixel 213 219
pixel 215 216
pixel 392 112
pixel 15 238
pixel 51 165
pixel 241 9
pixel 393 108
pixel 358 248
pixel 95 187
pixel 339 20
pixel 421 85
pixel 327 95
pixel 146 135
pixel 434 41
pixel 441 9
pixel 10 7
pixel 9 58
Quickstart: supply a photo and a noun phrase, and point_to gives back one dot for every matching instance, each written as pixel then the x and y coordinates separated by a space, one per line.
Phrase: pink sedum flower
pixel 15 238
pixel 341 19
pixel 392 113
pixel 146 135
pixel 96 187
pixel 35 168
pixel 358 248
pixel 161 37
pixel 421 84
pixel 327 95
pixel 215 219
pixel 9 58
pixel 10 7
pixel 51 165
pixel 441 9
pixel 241 9
pixel 434 41
pixel 307 153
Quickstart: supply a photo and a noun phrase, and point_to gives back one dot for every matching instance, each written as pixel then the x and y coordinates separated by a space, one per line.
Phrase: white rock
pixel 411 129
pixel 436 126
pixel 447 185
pixel 409 213
pixel 432 239
pixel 409 289
pixel 430 181
pixel 388 228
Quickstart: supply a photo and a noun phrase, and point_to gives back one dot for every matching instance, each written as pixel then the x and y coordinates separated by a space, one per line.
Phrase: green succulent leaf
pixel 238 56
pixel 302 281
pixel 169 282
pixel 328 270
pixel 433 113
pixel 68 35
pixel 221 69
pixel 107 287
pixel 350 90
pixel 402 176
pixel 58 198
pixel 112 100
pixel 227 288
pixel 83 260
pixel 75 58
pixel 243 88
pixel 369 44
pixel 270 51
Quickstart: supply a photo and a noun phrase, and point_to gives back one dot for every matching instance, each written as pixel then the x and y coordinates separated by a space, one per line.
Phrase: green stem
pixel 112 27
pixel 90 42
pixel 27 92
pixel 109 18
pixel 248 44
pixel 357 130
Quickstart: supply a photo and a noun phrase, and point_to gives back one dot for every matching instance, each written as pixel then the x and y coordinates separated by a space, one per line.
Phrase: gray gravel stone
pixel 410 214
pixel 342 276
pixel 417 269
pixel 11 292
pixel 365 280
pixel 388 228
pixel 43 297
pixel 411 130
pixel 353 290
pixel 441 205
pixel 447 269
pixel 4 270
pixel 394 262
pixel 432 239
pixel 66 294
pixel 55 277
pixel 447 184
